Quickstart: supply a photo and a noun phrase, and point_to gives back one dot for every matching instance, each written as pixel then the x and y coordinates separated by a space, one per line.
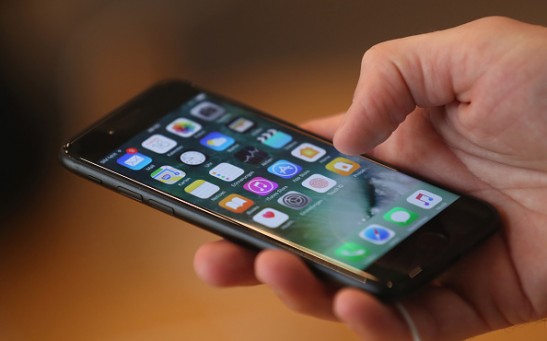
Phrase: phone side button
pixel 94 179
pixel 161 207
pixel 129 193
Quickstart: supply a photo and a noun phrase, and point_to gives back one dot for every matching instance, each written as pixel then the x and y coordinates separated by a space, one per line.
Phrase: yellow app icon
pixel 236 203
pixel 342 166
pixel 308 152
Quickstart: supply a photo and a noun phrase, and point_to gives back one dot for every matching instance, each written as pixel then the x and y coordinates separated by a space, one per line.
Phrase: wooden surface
pixel 84 263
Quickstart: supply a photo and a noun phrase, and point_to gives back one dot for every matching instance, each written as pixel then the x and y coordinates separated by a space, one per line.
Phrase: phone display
pixel 252 172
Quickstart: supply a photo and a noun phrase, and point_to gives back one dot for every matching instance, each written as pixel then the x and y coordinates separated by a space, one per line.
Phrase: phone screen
pixel 291 186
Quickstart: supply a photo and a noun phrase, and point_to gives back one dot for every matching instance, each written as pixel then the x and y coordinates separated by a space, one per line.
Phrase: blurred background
pixel 78 262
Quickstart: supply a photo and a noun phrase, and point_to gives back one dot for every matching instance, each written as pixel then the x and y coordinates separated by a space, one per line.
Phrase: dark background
pixel 79 262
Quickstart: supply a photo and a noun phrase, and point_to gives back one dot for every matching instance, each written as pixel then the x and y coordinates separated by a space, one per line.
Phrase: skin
pixel 470 103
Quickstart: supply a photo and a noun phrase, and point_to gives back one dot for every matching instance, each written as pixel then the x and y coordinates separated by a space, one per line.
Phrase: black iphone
pixel 265 183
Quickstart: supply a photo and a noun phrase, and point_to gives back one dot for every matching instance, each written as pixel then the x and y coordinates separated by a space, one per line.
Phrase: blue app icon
pixel 377 234
pixel 134 161
pixel 217 141
pixel 274 138
pixel 284 169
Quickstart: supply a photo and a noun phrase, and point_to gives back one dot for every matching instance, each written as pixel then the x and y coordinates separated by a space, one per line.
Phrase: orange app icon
pixel 342 166
pixel 236 203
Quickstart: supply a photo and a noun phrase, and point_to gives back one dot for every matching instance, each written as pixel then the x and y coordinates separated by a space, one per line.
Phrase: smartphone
pixel 265 183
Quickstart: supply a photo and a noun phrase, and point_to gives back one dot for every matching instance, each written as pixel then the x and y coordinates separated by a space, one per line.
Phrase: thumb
pixel 428 70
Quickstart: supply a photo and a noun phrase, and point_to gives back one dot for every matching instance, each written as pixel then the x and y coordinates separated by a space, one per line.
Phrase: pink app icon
pixel 260 186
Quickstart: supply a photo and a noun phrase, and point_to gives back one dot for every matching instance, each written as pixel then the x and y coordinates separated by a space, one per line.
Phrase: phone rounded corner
pixel 64 156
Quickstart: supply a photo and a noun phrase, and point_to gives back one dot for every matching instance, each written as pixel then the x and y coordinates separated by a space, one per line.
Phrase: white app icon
pixel 159 143
pixel 227 172
pixel 193 158
pixel 308 152
pixel 319 183
pixel 270 217
pixel 424 199
pixel 202 189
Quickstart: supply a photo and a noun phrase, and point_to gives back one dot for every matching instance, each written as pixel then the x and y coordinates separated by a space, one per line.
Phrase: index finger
pixel 428 70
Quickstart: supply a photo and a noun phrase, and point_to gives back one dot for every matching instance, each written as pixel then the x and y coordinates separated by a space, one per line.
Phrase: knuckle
pixel 376 53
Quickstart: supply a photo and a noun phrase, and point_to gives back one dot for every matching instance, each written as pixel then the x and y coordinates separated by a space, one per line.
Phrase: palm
pixel 490 285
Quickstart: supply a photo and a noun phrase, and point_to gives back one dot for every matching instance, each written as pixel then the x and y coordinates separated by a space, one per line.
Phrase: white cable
pixel 409 322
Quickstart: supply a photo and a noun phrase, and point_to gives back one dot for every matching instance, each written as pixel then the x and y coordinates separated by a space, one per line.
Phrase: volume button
pixel 94 179
pixel 129 193
pixel 161 207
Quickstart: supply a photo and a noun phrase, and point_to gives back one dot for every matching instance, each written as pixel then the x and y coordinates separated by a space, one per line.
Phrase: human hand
pixel 470 104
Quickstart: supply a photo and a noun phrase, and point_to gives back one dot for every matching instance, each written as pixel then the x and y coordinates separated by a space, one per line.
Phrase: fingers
pixel 438 313
pixel 224 264
pixel 324 127
pixel 380 104
pixel 428 70
pixel 435 313
pixel 369 318
pixel 292 281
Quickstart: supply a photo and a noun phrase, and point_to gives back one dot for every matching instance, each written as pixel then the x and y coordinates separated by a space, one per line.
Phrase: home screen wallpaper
pixel 229 160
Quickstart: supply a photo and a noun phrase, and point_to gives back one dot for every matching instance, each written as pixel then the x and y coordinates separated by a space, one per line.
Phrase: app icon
pixel 284 169
pixel 319 183
pixel 400 216
pixel 270 217
pixel 351 251
pixel 377 234
pixel 159 143
pixel 241 125
pixel 202 189
pixel 192 158
pixel 251 155
pixel 424 199
pixel 217 141
pixel 294 200
pixel 184 127
pixel 236 203
pixel 274 138
pixel 207 111
pixel 227 172
pixel 260 186
pixel 308 152
pixel 168 174
pixel 134 160
pixel 342 166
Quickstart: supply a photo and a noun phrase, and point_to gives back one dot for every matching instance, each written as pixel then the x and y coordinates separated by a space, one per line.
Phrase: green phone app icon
pixel 400 216
pixel 351 251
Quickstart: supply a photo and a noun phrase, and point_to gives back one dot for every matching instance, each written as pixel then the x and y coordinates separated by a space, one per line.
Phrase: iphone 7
pixel 265 183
